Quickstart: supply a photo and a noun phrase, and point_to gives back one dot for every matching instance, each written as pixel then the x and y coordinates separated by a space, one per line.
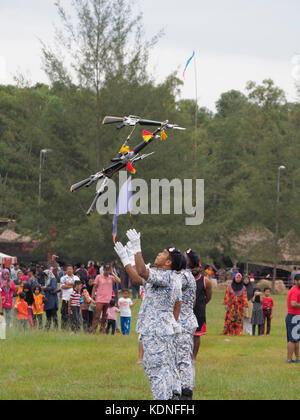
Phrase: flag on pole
pixel 147 136
pixel 124 204
pixel 187 64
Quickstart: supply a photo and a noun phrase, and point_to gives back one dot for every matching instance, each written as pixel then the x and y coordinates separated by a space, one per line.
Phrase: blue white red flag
pixel 188 63
pixel 124 204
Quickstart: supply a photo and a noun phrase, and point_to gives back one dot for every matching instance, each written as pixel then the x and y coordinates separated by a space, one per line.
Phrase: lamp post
pixel 42 154
pixel 277 227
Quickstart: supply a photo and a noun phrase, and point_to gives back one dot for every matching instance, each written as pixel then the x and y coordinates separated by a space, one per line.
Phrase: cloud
pixel 235 41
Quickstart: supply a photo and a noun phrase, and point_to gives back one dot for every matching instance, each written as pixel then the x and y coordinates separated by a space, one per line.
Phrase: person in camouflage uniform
pixel 185 340
pixel 157 322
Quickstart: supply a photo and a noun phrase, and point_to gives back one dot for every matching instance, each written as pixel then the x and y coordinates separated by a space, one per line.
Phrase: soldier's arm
pixel 141 266
pixel 177 309
pixel 133 274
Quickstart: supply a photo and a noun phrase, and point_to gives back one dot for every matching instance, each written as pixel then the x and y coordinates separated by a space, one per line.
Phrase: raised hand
pixel 135 239
pixel 122 253
pixel 130 253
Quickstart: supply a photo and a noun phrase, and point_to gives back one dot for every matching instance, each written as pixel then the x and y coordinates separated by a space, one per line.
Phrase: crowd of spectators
pixel 84 295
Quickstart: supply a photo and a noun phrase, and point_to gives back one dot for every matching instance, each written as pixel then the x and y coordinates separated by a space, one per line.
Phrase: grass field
pixel 59 366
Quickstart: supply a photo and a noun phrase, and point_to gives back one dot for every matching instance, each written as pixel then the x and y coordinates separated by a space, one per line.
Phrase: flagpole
pixel 196 103
pixel 196 107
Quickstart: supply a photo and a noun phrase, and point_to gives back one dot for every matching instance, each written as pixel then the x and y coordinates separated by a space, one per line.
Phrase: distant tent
pixel 7 260
pixel 256 246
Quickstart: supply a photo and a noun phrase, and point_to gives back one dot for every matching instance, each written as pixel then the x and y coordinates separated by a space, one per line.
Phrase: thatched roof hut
pixel 257 246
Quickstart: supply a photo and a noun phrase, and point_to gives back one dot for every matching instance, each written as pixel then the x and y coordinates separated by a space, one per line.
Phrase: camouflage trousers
pixel 159 363
pixel 184 360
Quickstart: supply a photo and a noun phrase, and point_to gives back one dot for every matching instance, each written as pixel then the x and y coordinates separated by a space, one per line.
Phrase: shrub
pixel 280 287
pixel 262 284
pixel 223 286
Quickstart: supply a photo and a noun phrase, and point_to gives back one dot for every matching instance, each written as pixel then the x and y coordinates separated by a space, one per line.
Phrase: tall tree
pixel 104 41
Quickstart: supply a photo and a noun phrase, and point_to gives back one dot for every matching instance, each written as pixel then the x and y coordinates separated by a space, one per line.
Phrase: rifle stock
pixel 112 120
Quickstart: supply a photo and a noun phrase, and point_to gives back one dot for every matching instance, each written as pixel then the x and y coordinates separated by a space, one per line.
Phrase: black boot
pixel 176 397
pixel 187 394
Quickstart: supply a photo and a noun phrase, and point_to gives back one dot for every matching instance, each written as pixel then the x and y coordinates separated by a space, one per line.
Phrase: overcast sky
pixel 234 40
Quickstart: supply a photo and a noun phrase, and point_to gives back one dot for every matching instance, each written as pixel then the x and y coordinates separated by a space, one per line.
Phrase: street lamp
pixel 278 184
pixel 42 154
pixel 281 168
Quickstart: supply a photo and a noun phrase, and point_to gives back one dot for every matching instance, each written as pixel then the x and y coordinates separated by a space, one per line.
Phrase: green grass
pixel 60 366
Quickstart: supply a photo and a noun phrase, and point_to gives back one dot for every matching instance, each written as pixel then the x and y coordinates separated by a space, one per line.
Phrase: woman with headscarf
pixel 8 289
pixel 51 305
pixel 235 302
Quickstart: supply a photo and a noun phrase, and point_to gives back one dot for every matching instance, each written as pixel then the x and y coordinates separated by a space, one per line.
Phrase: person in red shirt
pixel 92 272
pixel 103 287
pixel 267 306
pixel 293 322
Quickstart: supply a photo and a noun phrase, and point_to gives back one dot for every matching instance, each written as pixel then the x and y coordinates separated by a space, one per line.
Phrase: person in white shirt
pixel 125 305
pixel 67 283
pixel 14 272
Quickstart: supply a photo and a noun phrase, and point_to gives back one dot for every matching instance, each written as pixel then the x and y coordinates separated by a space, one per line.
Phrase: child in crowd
pixel 19 290
pixel 87 310
pixel 257 312
pixel 112 317
pixel 125 305
pixel 267 306
pixel 29 299
pixel 16 298
pixel 22 312
pixel 38 308
pixel 116 298
pixel 74 306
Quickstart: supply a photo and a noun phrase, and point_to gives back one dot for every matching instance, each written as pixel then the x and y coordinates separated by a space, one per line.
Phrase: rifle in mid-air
pixel 126 156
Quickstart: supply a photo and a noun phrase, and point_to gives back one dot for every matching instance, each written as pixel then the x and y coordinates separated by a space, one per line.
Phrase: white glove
pixel 122 253
pixel 130 253
pixel 135 239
